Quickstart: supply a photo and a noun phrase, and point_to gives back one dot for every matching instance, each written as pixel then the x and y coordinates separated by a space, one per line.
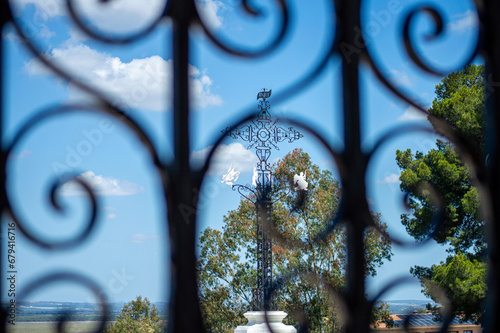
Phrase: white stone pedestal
pixel 257 323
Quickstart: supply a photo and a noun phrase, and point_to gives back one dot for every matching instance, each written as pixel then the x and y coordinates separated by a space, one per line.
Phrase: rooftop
pixel 426 319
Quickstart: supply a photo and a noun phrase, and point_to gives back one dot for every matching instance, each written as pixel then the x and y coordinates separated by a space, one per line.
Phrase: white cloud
pixel 11 36
pixel 79 57
pixel 200 89
pixel 124 16
pixel 40 31
pixel 210 12
pixel 412 114
pixel 234 154
pixel 141 83
pixel 45 9
pixel 391 179
pixel 142 238
pixel 111 216
pixel 102 186
pixel 45 33
pixel 400 78
pixel 76 37
pixel 464 22
pixel 112 17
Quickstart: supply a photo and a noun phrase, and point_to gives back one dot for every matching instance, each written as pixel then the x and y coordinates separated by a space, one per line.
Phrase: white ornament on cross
pixel 230 176
pixel 300 181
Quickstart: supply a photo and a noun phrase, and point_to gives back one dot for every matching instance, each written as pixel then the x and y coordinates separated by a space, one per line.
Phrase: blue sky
pixel 126 252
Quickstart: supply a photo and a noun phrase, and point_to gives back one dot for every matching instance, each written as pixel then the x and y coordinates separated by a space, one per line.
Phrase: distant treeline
pixel 71 311
pixel 57 317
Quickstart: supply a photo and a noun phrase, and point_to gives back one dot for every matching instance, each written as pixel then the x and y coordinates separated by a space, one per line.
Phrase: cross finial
pixel 264 94
pixel 263 134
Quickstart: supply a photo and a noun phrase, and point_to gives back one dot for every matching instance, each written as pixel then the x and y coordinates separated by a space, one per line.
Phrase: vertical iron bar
pixel 258 295
pixel 185 313
pixel 263 207
pixel 353 187
pixel 492 56
pixel 266 273
pixel 3 160
pixel 4 18
pixel 269 255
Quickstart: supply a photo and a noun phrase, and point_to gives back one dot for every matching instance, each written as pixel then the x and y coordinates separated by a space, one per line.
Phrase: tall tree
pixel 227 262
pixel 460 103
pixel 138 316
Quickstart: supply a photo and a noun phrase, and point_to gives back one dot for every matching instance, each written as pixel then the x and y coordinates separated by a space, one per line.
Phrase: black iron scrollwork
pixel 242 51
pixel 178 178
pixel 245 191
pixel 80 21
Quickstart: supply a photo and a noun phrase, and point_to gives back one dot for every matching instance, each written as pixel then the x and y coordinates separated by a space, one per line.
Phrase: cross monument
pixel 263 134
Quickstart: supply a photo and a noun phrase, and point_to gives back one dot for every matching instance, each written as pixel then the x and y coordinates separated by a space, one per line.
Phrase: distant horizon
pixel 412 300
pixel 114 301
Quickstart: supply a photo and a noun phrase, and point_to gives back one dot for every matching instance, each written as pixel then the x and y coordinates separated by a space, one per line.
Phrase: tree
pixel 227 261
pixel 422 310
pixel 138 316
pixel 460 103
pixel 382 314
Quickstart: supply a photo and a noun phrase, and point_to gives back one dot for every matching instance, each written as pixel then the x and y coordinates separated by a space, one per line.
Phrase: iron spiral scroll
pixel 178 177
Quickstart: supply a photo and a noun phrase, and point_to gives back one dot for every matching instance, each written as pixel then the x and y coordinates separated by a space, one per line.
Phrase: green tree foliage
pixel 460 103
pixel 382 314
pixel 422 310
pixel 462 279
pixel 227 261
pixel 138 316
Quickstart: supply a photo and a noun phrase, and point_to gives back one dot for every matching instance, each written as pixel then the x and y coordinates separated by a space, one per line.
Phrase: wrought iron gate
pixel 179 177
